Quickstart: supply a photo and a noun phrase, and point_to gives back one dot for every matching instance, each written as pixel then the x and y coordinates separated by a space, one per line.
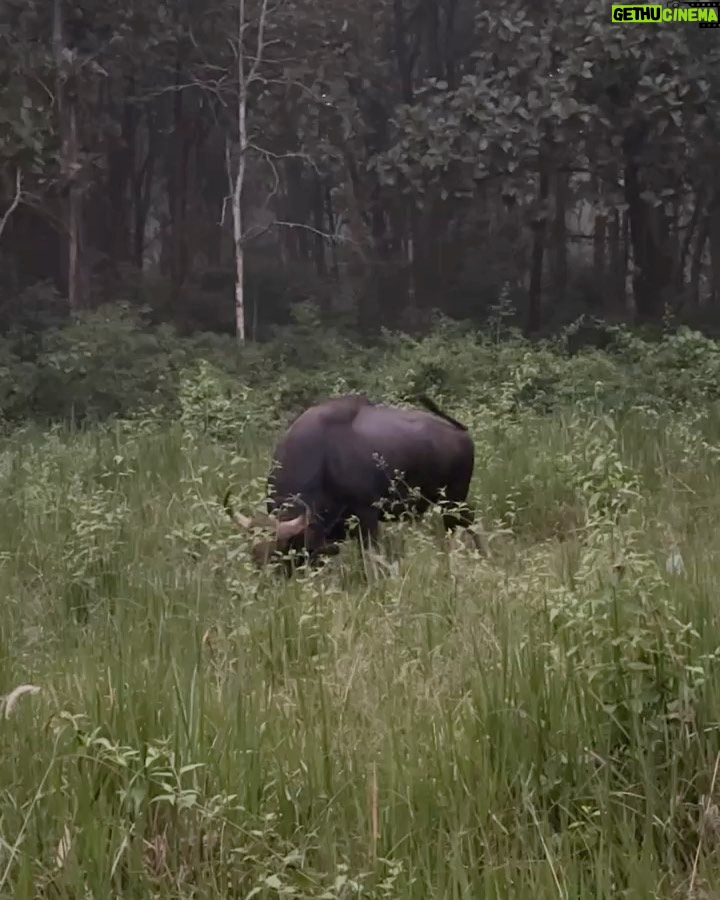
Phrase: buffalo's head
pixel 281 536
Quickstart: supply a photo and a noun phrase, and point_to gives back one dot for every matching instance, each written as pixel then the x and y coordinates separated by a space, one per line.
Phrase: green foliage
pixel 442 140
pixel 214 405
pixel 567 87
pixel 451 724
pixel 105 364
pixel 687 366
pixel 113 363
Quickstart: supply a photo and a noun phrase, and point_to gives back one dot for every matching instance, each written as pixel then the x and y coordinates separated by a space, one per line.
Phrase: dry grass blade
pixel 9 702
pixel 63 848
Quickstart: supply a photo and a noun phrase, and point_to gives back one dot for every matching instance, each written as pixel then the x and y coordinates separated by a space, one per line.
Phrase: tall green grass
pixel 539 723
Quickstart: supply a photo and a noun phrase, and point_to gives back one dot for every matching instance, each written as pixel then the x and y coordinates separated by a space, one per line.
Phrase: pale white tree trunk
pixel 236 184
pixel 239 137
pixel 236 181
pixel 240 181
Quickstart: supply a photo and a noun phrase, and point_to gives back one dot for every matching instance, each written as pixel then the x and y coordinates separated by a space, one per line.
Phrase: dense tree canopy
pixel 399 157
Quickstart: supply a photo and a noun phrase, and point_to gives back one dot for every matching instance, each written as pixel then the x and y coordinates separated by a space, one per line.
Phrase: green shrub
pixel 113 362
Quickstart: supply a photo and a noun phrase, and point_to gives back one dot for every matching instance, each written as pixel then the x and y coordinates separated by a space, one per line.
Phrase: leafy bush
pixel 105 365
pixel 113 362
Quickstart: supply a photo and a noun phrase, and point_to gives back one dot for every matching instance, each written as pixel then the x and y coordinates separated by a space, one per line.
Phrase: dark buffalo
pixel 341 460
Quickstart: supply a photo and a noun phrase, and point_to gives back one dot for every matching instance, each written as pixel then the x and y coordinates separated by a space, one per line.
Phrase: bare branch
pixel 257 231
pixel 212 86
pixel 269 154
pixel 15 202
pixel 39 81
pixel 292 82
pixel 276 185
pixel 334 238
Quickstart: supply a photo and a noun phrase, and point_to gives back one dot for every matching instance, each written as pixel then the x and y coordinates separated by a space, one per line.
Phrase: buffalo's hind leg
pixel 462 515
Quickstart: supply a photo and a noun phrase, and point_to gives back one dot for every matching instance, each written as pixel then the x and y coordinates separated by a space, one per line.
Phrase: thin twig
pixel 290 154
pixel 323 234
pixel 15 202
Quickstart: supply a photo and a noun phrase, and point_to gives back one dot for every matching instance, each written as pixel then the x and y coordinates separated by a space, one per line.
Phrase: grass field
pixel 542 723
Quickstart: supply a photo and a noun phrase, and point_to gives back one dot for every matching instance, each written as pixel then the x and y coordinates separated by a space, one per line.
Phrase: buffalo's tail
pixel 435 409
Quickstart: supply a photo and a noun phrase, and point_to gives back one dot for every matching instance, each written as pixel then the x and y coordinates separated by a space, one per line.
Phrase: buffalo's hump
pixel 347 449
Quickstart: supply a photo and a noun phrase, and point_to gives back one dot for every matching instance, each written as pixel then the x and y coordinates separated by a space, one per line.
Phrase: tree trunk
pixel 401 52
pixel 75 215
pixel 297 210
pixel 539 228
pixel 412 264
pixel 714 230
pixel 432 32
pixel 559 239
pixel 177 186
pixel 696 261
pixel 121 165
pixel 361 268
pixel 68 127
pixel 695 219
pixel 653 264
pixel 236 186
pixel 616 277
pixel 599 249
pixel 330 212
pixel 142 193
pixel 318 220
pixel 449 48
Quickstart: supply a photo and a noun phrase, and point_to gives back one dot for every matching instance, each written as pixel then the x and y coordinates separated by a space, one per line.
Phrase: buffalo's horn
pixel 283 530
pixel 242 522
pixel 287 530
